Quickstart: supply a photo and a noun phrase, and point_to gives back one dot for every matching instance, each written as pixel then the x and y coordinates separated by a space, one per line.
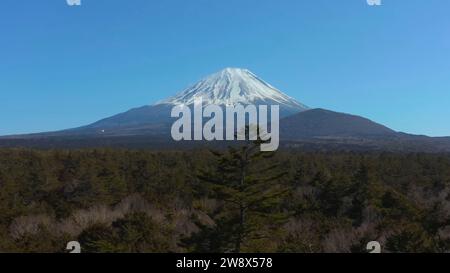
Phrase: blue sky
pixel 63 66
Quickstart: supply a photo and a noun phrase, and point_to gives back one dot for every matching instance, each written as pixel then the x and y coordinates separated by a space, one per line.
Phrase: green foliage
pixel 236 200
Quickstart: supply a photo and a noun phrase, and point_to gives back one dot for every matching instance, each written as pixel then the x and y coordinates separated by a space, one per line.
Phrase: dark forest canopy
pixel 119 200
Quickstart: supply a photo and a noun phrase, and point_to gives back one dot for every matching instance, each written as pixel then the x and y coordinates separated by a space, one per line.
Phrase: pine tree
pixel 251 191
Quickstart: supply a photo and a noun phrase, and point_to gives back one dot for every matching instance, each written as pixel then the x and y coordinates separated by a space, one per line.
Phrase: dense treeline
pixel 113 200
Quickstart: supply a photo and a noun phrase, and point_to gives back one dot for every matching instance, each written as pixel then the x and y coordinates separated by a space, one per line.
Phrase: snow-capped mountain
pixel 230 86
pixel 150 125
pixel 233 86
pixel 227 87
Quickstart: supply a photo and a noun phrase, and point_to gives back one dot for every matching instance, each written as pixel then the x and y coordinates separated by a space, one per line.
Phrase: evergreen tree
pixel 251 191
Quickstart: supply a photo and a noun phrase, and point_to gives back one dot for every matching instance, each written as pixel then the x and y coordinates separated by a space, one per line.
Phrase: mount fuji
pixel 300 126
pixel 231 86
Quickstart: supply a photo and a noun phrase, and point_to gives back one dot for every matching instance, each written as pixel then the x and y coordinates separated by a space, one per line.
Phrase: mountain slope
pixel 324 130
pixel 321 123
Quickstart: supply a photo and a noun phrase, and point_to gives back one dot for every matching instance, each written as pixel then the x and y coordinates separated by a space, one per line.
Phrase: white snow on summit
pixel 232 86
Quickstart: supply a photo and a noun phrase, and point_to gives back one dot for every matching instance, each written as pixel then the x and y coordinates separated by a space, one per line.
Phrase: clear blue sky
pixel 63 67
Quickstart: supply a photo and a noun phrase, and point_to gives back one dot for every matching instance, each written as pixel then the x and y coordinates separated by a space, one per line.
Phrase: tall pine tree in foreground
pixel 249 190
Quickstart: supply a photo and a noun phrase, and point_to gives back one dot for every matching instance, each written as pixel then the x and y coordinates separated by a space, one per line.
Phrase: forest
pixel 229 200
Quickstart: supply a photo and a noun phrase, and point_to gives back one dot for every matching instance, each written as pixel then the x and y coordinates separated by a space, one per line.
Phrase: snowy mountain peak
pixel 231 86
